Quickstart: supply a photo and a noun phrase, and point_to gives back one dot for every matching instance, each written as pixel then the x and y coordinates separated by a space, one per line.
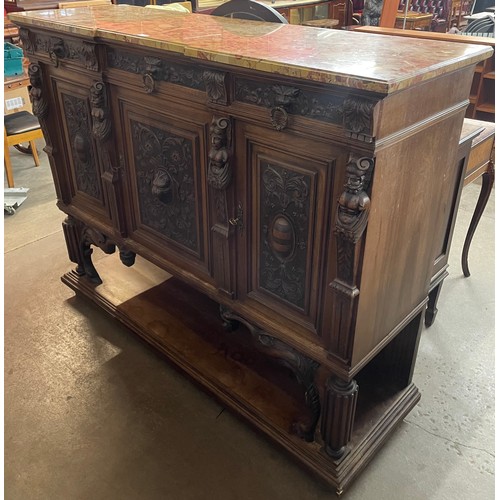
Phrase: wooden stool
pixel 322 23
pixel 18 128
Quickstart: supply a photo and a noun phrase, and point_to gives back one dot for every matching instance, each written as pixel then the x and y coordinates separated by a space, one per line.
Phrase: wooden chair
pixel 18 128
pixel 250 10
pixel 83 3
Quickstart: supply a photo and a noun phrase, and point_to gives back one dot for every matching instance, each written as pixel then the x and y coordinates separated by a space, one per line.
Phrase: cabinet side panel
pixel 412 188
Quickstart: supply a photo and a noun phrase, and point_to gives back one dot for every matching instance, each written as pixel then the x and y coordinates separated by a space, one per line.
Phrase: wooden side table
pixel 481 164
pixel 475 159
pixel 322 23
pixel 414 20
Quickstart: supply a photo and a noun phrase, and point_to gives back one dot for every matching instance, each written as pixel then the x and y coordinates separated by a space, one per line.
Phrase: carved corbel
pixel 284 97
pixel 354 204
pixel 301 366
pixel 101 122
pixel 215 84
pixel 350 223
pixel 151 73
pixel 27 40
pixel 358 119
pixel 219 167
pixel 39 104
pixel 101 130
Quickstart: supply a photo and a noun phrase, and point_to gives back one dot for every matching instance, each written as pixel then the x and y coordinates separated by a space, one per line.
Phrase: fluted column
pixel 338 416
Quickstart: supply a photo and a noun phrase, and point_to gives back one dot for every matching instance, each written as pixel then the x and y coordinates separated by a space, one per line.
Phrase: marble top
pixel 358 60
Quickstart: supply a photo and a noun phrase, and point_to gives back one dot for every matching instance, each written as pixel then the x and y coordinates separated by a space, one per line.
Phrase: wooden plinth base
pixel 185 326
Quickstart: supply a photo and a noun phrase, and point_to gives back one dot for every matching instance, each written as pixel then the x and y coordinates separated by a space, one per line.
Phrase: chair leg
pixel 8 165
pixel 35 153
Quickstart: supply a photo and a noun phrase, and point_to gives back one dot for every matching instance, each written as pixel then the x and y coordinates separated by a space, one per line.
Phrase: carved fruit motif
pixel 282 237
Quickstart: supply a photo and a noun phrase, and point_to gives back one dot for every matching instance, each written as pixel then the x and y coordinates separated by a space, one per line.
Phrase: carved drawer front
pixel 165 172
pixel 81 151
pixel 286 211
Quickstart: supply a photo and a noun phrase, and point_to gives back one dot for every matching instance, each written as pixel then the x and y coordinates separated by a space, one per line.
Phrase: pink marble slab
pixel 358 60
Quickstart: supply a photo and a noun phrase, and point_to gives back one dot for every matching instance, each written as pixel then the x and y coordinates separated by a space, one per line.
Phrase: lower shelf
pixel 185 326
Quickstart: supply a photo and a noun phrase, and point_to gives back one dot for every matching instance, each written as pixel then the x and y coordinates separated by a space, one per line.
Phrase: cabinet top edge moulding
pixel 375 64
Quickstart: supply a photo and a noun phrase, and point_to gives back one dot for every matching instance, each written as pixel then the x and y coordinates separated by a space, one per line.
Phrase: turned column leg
pixel 487 185
pixel 338 415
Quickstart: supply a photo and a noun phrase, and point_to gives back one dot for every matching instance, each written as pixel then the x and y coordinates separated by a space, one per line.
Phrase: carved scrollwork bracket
pixel 301 366
pixel 151 73
pixel 79 238
pixel 219 166
pixel 216 87
pixel 284 97
pixel 358 119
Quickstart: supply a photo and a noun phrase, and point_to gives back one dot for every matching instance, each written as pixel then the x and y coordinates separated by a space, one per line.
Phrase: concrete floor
pixel 92 412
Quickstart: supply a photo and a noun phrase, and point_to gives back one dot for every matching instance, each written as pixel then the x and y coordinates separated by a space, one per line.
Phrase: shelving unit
pixel 483 107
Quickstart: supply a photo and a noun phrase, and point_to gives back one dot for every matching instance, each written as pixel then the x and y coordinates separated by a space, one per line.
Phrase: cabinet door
pixel 82 185
pixel 165 176
pixel 290 186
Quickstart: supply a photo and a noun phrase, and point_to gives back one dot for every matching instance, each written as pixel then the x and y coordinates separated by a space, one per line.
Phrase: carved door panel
pixel 290 186
pixel 80 146
pixel 165 173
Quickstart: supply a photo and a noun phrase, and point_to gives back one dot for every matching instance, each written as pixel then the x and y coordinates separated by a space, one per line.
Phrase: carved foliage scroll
pixel 358 118
pixel 284 222
pixel 84 52
pixel 166 183
pixel 215 83
pixel 79 123
pixel 301 366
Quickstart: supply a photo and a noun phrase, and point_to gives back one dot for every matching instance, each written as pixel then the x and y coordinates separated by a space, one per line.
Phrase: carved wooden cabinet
pixel 296 204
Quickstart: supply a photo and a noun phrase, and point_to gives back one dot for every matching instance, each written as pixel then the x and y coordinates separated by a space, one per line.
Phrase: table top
pixel 369 62
pixel 412 15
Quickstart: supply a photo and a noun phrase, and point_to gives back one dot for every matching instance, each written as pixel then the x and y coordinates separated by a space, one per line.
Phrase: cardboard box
pixel 16 97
